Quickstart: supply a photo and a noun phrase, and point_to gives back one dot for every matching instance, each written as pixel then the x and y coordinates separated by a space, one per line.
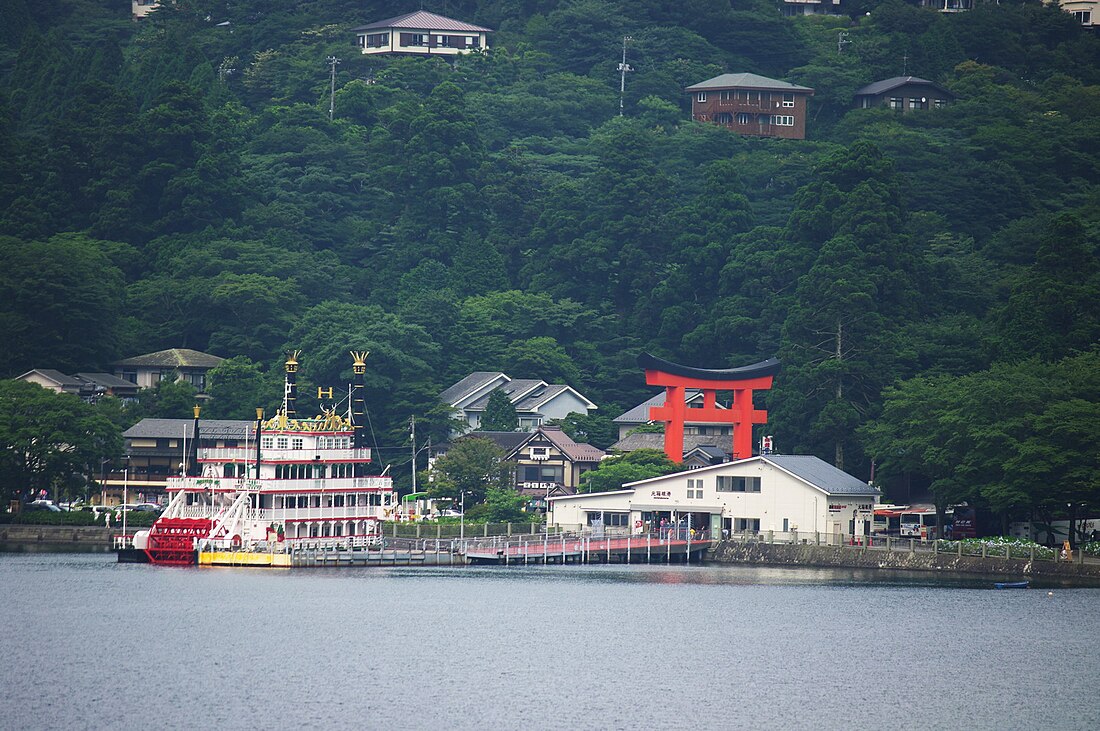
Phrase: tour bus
pixel 887 520
pixel 918 524
pixel 904 521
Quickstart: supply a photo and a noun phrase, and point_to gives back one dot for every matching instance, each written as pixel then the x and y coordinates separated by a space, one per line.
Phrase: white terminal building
pixel 765 493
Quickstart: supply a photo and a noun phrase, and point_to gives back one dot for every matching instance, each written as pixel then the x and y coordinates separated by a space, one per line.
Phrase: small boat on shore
pixel 1011 584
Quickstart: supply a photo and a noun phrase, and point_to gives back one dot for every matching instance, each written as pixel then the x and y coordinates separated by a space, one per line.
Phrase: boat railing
pixel 240 454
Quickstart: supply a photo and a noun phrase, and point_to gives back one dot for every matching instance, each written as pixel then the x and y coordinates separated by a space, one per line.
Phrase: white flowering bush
pixel 995 546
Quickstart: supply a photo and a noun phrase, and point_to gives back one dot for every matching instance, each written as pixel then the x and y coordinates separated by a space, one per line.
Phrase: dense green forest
pixel 929 280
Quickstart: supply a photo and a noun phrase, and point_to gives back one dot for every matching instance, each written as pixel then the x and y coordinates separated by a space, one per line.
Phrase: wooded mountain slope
pixel 178 183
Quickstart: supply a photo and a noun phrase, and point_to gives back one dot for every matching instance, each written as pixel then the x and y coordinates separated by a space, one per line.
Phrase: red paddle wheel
pixel 172 540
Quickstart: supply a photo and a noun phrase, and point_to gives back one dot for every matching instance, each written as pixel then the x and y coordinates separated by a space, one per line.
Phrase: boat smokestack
pixel 193 467
pixel 290 387
pixel 358 399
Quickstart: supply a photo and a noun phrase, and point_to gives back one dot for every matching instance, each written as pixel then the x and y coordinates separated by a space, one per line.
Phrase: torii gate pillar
pixel 676 379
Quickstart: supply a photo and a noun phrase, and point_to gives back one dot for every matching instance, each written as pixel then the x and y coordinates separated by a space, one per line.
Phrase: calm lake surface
pixel 89 643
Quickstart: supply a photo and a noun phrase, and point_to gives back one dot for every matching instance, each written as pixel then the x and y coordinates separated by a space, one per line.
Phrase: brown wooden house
pixel 750 104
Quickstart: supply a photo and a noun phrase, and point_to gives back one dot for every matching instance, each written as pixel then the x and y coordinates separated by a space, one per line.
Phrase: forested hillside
pixel 178 183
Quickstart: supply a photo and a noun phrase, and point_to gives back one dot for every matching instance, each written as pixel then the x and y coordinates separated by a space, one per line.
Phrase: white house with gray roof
pixel 535 401
pixel 421 33
pixel 780 493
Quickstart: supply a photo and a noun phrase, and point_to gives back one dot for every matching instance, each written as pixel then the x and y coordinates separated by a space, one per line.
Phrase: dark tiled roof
pixel 61 379
pixel 640 413
pixel 575 451
pixel 642 440
pixel 468 385
pixel 516 390
pixel 821 474
pixel 747 81
pixel 879 87
pixel 173 358
pixel 506 440
pixel 174 428
pixel 536 398
pixel 423 20
pixel 108 381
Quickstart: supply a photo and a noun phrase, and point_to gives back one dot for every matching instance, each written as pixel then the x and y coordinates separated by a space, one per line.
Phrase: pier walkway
pixel 579 548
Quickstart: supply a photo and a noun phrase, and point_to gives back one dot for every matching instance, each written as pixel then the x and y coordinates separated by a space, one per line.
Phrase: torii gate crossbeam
pixel 676 379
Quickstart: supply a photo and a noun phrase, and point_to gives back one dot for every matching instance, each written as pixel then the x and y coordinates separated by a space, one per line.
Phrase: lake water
pixel 92 644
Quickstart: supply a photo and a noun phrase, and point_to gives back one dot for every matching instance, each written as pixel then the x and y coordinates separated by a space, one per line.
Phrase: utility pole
pixel 905 64
pixel 841 41
pixel 412 422
pixel 624 67
pixel 332 62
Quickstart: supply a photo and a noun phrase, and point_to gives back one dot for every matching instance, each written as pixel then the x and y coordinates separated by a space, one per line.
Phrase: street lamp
pixel 462 516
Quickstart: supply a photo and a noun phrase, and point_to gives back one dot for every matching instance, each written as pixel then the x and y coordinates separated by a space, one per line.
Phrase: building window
pixel 720 118
pixel 1084 17
pixel 267 442
pixel 746 525
pixel 375 40
pixel 542 473
pixel 608 519
pixel 695 489
pixel 783 120
pixel 413 39
pixel 281 443
pixel 130 376
pixel 297 443
pixel 896 102
pixel 939 103
pixel 725 96
pixel 701 97
pixel 728 483
pixel 788 100
pixel 744 118
pixel 918 102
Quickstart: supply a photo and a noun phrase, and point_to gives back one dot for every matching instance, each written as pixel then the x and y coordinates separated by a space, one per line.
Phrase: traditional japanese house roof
pixel 423 20
pixel 748 81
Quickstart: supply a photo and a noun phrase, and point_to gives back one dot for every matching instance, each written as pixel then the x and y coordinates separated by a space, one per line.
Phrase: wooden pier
pixel 561 549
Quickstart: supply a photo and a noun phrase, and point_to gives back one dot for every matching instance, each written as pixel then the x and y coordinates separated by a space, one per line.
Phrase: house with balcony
pixel 750 104
pixel 141 8
pixel 948 6
pixel 535 401
pixel 421 34
pixel 177 364
pixel 1087 12
pixel 903 94
pixel 791 8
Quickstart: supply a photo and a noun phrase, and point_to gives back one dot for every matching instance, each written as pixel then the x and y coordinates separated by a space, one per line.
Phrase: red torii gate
pixel 678 378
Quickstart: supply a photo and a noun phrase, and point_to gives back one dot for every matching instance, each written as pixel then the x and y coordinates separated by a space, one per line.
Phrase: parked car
pixel 40 506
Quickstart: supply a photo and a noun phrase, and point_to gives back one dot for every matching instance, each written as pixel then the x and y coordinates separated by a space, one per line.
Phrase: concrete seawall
pixel 858 557
pixel 56 538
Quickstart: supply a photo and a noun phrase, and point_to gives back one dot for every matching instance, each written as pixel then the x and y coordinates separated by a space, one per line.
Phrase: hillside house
pixel 750 104
pixel 791 8
pixel 140 8
pixel 421 33
pixel 535 401
pixel 1087 12
pixel 88 386
pixel 904 94
pixel 180 364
